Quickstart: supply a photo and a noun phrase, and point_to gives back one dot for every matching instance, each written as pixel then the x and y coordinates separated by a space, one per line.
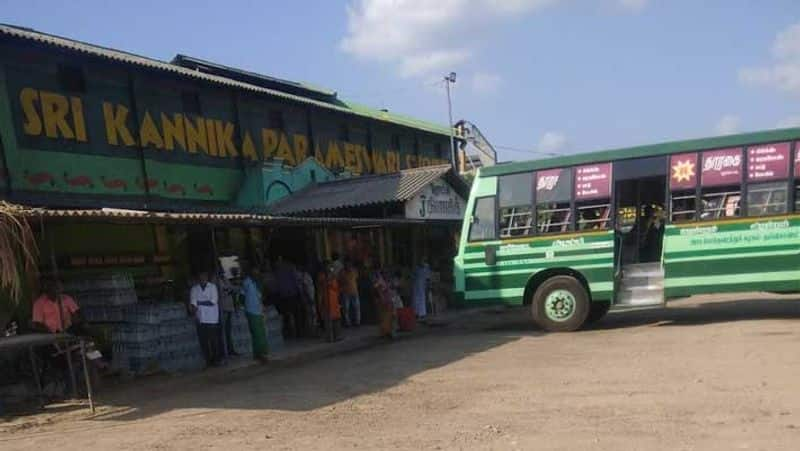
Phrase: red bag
pixel 406 319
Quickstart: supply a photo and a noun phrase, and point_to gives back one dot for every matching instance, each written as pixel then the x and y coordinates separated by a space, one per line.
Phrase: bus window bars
pixel 723 204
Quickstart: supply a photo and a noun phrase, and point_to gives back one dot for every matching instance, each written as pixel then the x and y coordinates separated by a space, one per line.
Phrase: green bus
pixel 574 236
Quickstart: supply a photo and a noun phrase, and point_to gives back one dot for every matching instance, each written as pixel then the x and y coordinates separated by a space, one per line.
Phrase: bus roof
pixel 650 150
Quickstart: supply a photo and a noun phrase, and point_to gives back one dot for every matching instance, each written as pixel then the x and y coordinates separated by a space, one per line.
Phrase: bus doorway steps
pixel 642 284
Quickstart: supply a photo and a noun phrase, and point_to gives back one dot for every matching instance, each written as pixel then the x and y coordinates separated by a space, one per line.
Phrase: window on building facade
pixel 344 133
pixel 482 222
pixel 516 205
pixel 395 142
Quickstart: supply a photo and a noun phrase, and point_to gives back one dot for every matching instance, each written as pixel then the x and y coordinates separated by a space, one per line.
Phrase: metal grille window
pixel 593 215
pixel 797 196
pixel 553 217
pixel 683 206
pixel 720 203
pixel 482 222
pixel 516 201
pixel 767 199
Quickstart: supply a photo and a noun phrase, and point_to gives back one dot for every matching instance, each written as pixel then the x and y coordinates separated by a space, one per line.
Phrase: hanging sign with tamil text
pixel 768 162
pixel 722 167
pixel 683 171
pixel 593 181
pixel 438 200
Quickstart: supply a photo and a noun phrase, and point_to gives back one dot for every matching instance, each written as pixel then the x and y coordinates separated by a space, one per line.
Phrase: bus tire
pixel 597 311
pixel 560 304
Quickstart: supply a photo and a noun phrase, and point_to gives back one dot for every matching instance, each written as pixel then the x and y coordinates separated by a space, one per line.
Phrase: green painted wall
pixel 131 137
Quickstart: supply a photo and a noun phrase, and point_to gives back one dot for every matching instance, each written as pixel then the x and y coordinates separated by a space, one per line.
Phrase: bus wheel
pixel 560 304
pixel 597 311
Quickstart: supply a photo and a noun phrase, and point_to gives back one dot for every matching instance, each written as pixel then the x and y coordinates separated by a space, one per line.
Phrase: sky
pixel 536 76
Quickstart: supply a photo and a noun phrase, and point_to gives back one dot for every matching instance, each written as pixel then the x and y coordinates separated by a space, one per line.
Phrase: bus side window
pixel 553 217
pixel 720 202
pixel 683 206
pixel 516 201
pixel 766 199
pixel 593 215
pixel 553 195
pixel 482 221
pixel 797 195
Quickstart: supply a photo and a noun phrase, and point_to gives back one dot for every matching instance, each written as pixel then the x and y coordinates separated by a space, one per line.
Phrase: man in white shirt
pixel 204 300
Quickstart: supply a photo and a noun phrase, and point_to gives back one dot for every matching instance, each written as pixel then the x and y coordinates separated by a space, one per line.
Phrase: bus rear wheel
pixel 560 304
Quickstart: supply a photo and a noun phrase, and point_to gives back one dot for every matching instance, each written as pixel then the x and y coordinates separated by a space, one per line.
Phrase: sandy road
pixel 716 373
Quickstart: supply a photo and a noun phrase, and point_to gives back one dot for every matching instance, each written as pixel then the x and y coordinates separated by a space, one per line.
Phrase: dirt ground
pixel 716 373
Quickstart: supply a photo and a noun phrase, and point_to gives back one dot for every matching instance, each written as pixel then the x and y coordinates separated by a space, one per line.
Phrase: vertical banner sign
pixel 553 185
pixel 768 162
pixel 593 181
pixel 722 167
pixel 682 171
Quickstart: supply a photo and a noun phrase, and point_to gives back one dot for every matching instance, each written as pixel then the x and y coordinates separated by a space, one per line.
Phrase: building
pixel 155 168
pixel 83 125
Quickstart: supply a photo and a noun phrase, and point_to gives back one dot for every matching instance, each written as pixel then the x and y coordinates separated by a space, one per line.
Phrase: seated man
pixel 47 318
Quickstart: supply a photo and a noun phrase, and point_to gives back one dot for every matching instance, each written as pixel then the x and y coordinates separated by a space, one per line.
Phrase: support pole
pixel 86 377
pixel 451 79
pixel 36 378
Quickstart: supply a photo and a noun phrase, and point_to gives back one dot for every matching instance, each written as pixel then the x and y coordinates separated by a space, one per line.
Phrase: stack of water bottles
pixel 159 336
pixel 103 299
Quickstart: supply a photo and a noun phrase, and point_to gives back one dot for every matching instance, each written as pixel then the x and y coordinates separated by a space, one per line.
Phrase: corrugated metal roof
pixel 360 191
pixel 141 216
pixel 130 58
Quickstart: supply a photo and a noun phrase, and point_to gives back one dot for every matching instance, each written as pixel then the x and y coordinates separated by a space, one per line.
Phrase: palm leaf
pixel 18 251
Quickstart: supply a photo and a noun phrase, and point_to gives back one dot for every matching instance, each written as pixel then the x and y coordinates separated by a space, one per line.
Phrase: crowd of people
pixel 315 301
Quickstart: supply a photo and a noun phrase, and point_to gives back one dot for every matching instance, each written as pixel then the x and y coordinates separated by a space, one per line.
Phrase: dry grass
pixel 18 251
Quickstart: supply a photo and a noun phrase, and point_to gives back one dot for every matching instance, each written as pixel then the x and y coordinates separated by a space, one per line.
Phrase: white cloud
pixel 727 125
pixel 784 72
pixel 486 82
pixel 789 122
pixel 552 142
pixel 424 37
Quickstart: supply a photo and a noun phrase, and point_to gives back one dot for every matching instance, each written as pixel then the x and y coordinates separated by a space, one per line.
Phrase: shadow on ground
pixel 312 385
pixel 691 312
